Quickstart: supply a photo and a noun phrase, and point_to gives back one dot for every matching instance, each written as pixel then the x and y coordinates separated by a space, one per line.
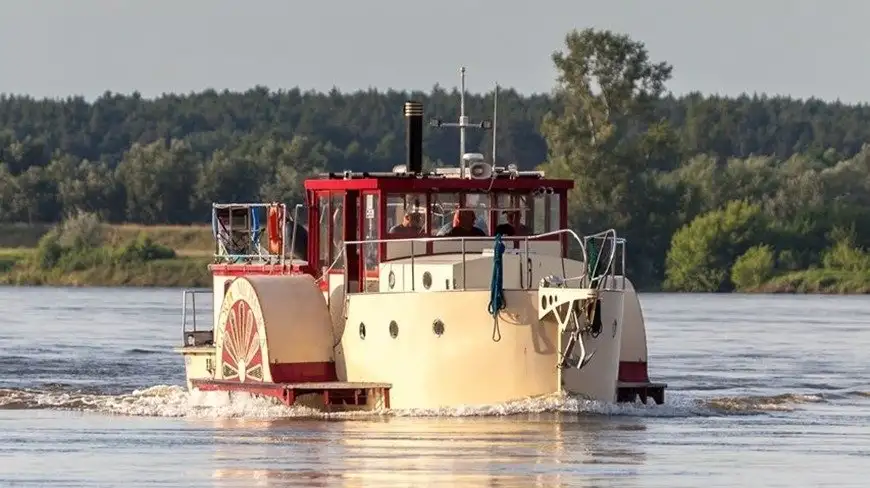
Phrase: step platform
pixel 339 395
pixel 628 392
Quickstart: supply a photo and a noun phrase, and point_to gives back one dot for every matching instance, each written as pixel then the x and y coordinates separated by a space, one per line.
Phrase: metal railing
pixel 194 336
pixel 604 240
pixel 591 277
pixel 259 255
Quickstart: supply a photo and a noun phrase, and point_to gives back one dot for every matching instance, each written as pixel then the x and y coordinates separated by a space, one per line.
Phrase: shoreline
pixel 192 272
pixel 192 247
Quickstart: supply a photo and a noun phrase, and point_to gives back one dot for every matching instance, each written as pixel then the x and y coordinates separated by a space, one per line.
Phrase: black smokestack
pixel 414 136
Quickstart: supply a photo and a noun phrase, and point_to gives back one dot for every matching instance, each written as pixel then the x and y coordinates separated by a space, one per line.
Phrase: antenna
pixel 494 120
pixel 463 119
pixel 462 124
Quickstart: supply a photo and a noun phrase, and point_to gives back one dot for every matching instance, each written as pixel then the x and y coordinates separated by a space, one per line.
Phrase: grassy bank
pixel 186 240
pixel 821 281
pixel 97 254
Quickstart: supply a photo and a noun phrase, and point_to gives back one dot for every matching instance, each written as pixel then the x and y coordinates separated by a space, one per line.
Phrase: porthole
pixel 391 279
pixel 427 280
pixel 394 329
pixel 438 327
pixel 362 330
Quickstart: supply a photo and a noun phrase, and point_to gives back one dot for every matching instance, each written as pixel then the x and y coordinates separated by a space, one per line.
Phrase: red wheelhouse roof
pixel 414 183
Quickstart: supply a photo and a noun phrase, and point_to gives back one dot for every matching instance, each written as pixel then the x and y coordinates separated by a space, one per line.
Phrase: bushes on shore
pixel 78 244
pixel 78 252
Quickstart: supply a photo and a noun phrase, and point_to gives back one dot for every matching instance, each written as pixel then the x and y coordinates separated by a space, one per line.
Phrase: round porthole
pixel 438 327
pixel 427 280
pixel 362 330
pixel 394 329
pixel 391 279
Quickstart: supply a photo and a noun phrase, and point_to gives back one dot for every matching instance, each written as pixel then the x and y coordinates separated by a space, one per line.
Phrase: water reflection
pixel 532 450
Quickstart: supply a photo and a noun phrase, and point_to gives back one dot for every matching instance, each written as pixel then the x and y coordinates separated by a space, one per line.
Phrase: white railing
pixel 599 242
pixel 592 277
pixel 194 336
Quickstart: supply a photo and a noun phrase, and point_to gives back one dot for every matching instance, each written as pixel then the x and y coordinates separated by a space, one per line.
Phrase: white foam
pixel 176 401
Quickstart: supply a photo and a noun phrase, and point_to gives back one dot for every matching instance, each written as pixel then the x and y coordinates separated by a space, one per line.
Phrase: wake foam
pixel 176 401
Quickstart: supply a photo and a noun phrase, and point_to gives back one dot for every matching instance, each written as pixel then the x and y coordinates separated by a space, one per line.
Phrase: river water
pixel 764 391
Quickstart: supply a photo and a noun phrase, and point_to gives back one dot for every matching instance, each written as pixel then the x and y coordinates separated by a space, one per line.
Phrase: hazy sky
pixel 61 47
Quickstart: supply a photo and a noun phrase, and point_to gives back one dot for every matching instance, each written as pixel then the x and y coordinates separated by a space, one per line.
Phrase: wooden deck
pixel 341 394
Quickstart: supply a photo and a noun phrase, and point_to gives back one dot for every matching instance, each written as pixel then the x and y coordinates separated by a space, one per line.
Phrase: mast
pixel 463 123
pixel 494 120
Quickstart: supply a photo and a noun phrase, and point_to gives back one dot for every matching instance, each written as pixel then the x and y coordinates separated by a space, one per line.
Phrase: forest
pixel 745 193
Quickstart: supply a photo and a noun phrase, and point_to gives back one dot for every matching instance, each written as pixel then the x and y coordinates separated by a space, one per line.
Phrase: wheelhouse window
pixel 330 224
pixel 406 215
pixel 480 204
pixel 513 214
pixel 457 214
pixel 546 205
pixel 442 208
pixel 370 232
pixel 337 219
pixel 323 229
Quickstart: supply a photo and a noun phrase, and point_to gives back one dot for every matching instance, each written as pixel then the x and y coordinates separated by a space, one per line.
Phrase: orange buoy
pixel 273 225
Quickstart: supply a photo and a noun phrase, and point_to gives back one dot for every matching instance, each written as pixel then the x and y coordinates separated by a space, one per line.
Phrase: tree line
pixel 695 182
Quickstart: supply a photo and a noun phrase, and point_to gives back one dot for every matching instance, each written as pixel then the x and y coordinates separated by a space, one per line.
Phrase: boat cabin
pixel 356 221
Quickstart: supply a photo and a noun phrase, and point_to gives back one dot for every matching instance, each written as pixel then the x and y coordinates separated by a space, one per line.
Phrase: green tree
pixel 159 179
pixel 753 268
pixel 703 251
pixel 606 136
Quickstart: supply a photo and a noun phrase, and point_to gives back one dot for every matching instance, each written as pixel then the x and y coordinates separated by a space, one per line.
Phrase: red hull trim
pixel 334 393
pixel 236 270
pixel 633 372
pixel 303 372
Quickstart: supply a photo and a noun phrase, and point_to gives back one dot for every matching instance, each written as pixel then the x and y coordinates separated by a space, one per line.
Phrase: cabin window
pixel 324 227
pixel 370 231
pixel 479 203
pixel 337 207
pixel 515 211
pixel 443 205
pixel 555 223
pixel 406 215
pixel 446 205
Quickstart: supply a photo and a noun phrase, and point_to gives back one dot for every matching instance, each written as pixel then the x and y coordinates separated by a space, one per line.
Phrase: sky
pixel 58 48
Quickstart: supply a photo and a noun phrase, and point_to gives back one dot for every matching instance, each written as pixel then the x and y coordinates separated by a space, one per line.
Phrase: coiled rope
pixel 497 301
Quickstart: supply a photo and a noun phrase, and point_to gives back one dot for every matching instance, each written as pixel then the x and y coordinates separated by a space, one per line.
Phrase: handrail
pixel 590 277
pixel 603 235
pixel 610 269
pixel 464 239
pixel 425 239
pixel 193 293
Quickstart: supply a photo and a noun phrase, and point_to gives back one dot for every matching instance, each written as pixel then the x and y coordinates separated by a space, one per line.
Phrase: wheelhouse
pixel 357 221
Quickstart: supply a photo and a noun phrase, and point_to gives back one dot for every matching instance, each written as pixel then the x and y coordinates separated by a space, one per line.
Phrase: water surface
pixel 764 391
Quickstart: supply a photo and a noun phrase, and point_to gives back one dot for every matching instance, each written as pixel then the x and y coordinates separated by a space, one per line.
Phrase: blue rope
pixel 496 287
pixel 256 220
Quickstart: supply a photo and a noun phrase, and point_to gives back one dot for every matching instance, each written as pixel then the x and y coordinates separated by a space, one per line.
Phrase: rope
pixel 592 257
pixel 497 301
